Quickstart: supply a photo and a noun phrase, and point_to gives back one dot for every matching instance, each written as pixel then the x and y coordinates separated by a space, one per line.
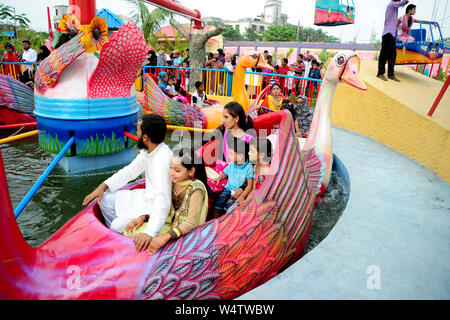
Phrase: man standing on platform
pixel 388 49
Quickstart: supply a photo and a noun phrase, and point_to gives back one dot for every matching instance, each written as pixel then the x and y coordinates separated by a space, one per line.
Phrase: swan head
pixel 344 66
pixel 254 60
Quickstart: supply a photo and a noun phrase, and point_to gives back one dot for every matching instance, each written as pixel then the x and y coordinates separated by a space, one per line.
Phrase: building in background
pixel 271 16
pixel 60 10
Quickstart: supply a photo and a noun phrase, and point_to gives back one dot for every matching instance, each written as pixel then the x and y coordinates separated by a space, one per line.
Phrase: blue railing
pixel 219 82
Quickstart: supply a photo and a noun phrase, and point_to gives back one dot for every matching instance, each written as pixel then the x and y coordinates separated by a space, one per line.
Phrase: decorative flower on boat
pixel 96 34
pixel 69 24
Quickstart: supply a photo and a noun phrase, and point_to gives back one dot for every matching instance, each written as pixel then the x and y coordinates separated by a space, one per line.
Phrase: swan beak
pixel 351 74
pixel 263 64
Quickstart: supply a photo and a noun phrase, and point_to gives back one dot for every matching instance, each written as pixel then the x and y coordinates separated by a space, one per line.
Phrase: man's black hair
pixel 26 41
pixel 154 126
pixel 198 84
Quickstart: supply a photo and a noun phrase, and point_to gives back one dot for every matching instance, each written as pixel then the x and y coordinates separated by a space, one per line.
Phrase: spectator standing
pixel 177 62
pixel 43 53
pixel 388 52
pixel 283 70
pixel 29 54
pixel 187 59
pixel 221 55
pixel 266 78
pixel 161 58
pixel 308 64
pixel 215 63
pixel 10 56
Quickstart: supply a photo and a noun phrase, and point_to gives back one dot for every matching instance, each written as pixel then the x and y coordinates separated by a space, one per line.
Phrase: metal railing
pixel 16 69
pixel 219 82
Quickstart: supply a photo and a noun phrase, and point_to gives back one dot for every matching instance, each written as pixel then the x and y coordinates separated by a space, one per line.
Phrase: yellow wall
pixel 378 116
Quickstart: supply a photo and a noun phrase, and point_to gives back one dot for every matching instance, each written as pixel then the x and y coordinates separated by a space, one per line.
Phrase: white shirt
pixel 29 55
pixel 155 199
pixel 308 65
pixel 198 100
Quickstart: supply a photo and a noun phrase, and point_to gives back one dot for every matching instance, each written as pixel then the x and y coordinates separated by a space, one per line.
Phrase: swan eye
pixel 254 56
pixel 340 61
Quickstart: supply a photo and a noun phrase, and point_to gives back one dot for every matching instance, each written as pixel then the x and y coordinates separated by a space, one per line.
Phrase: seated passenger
pixel 238 171
pixel 199 98
pixel 405 22
pixel 172 93
pixel 163 78
pixel 260 153
pixel 119 207
pixel 272 101
pixel 189 200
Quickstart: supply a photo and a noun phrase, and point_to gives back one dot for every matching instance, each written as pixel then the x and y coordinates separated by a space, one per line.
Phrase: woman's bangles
pixel 175 233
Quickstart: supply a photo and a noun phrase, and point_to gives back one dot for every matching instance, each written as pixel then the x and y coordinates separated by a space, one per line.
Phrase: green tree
pixel 280 33
pixel 149 22
pixel 251 35
pixel 6 13
pixel 231 34
pixel 22 20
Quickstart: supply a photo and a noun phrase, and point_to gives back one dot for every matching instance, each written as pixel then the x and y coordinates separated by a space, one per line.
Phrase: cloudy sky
pixel 369 13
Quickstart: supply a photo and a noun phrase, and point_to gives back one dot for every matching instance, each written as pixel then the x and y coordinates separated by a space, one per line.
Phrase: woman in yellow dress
pixel 189 200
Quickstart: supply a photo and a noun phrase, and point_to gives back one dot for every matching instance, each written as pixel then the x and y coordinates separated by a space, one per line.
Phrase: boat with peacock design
pixel 221 259
pixel 209 117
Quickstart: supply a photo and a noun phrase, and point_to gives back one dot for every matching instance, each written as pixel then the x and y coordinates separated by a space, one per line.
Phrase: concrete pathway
pixel 392 241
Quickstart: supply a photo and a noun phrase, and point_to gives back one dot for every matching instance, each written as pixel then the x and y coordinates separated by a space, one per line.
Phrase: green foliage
pixel 251 35
pixel 149 22
pixel 325 55
pixel 231 34
pixel 447 42
pixel 280 33
pixel 277 57
pixel 179 43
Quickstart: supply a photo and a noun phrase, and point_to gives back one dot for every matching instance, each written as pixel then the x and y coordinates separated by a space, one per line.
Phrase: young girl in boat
pixel 189 200
pixel 260 153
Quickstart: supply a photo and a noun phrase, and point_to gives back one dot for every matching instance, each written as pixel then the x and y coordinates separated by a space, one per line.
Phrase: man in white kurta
pixel 119 207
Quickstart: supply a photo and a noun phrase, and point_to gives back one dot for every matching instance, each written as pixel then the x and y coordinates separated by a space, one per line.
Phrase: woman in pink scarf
pixel 404 24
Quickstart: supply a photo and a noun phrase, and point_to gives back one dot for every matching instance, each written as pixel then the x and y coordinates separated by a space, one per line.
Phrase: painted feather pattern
pixel 246 247
pixel 174 112
pixel 50 69
pixel 16 95
pixel 119 62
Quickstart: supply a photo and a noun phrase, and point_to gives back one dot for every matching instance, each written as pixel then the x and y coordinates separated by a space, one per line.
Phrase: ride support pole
pixel 18 210
pixel 439 97
pixel 19 136
pixel 18 125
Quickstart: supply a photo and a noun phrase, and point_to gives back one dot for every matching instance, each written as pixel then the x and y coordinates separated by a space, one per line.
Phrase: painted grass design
pixel 50 144
pixel 99 147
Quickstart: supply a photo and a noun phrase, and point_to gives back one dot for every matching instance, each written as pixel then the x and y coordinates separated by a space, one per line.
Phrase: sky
pixel 369 13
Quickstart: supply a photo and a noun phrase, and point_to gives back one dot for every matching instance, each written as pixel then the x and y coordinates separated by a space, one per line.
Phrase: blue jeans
pixel 223 201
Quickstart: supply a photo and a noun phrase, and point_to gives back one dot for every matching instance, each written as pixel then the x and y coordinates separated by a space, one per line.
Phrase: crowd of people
pixel 25 73
pixel 176 196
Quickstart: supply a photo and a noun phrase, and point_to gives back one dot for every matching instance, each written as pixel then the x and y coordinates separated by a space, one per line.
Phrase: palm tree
pixel 6 12
pixel 149 22
pixel 22 20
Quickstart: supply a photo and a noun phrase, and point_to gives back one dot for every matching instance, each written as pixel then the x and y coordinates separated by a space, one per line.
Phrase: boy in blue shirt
pixel 239 171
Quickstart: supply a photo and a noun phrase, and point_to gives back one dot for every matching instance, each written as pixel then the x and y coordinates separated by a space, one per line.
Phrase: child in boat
pixel 171 92
pixel 238 171
pixel 260 153
pixel 189 200
pixel 199 98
